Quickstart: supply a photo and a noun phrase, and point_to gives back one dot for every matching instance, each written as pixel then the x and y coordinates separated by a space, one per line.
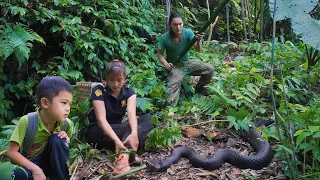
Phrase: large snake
pixel 262 157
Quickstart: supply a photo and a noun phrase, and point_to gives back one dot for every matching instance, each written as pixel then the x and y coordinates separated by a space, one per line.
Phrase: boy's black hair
pixel 171 17
pixel 51 86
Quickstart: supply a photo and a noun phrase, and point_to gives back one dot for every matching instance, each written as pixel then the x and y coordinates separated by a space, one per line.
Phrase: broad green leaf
pixel 6 169
pixel 239 58
pixel 308 29
pixel 286 149
pixel 299 132
pixel 56 2
pixel 254 70
pixel 302 136
pixel 91 56
pixel 74 74
pixel 55 28
pixel 317 135
pixel 144 103
pixel 243 124
pixel 291 8
pixel 313 129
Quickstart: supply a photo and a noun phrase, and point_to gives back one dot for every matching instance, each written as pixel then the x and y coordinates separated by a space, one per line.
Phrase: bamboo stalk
pixel 228 22
pixel 221 6
pixel 271 86
pixel 261 21
pixel 244 21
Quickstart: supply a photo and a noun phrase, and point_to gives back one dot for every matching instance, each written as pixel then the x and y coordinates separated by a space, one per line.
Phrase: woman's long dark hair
pixel 172 16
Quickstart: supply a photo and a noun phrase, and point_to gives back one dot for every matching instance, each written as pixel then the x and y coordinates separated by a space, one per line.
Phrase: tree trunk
pixel 261 21
pixel 168 14
pixel 228 23
pixel 243 21
pixel 249 17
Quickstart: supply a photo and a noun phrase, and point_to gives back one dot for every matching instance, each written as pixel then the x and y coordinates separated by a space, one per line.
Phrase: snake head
pixel 153 165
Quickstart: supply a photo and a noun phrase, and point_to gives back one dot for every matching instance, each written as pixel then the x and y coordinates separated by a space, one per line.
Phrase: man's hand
pixel 133 140
pixel 199 37
pixel 169 66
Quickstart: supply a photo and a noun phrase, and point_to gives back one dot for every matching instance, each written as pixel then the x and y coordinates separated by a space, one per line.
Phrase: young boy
pixel 49 153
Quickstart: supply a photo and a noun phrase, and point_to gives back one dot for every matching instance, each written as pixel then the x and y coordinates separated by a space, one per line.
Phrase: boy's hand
pixel 38 174
pixel 62 135
pixel 133 140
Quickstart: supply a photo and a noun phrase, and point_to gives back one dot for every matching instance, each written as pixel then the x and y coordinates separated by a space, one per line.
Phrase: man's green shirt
pixel 173 49
pixel 42 136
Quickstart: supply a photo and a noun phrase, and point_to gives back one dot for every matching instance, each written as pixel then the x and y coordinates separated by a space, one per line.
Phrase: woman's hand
pixel 133 140
pixel 120 146
pixel 62 135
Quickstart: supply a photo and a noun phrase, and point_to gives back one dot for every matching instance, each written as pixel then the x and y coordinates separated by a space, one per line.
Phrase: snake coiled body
pixel 262 157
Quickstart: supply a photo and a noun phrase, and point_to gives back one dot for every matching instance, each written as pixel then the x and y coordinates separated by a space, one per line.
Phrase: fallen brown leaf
pixel 191 132
pixel 210 134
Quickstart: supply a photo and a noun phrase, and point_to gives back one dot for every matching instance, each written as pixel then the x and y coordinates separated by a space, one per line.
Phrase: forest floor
pixel 100 167
pixel 196 137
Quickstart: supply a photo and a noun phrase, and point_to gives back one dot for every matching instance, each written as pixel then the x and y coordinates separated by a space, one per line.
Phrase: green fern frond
pixel 6 48
pixel 17 41
pixel 38 38
pixel 23 32
pixel 223 96
pixel 208 104
pixel 22 52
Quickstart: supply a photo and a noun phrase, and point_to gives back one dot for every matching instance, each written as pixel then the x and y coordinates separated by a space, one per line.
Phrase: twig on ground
pixel 74 171
pixel 133 170
pixel 109 165
pixel 95 169
pixel 206 122
pixel 84 170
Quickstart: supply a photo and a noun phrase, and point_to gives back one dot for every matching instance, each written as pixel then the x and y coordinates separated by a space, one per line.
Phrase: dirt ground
pixel 100 167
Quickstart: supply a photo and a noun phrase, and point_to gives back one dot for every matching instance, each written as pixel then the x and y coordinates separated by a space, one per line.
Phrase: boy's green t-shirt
pixel 174 49
pixel 42 135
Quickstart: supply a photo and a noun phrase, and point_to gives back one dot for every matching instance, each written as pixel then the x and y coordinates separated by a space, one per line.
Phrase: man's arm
pixel 163 60
pixel 198 43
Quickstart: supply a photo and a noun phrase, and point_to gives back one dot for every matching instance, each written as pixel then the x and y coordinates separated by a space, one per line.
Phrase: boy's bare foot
pixel 170 114
pixel 122 165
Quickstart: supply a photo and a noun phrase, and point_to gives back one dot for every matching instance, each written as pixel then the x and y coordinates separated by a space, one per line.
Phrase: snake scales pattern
pixel 262 157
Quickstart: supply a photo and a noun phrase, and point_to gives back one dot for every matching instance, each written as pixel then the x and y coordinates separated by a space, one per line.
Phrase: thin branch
pixel 74 171
pixel 3 152
pixel 130 172
pixel 206 122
